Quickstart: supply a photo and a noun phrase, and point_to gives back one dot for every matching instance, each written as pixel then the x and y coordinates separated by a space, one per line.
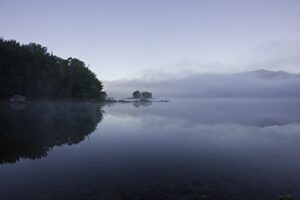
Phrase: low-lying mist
pixel 254 84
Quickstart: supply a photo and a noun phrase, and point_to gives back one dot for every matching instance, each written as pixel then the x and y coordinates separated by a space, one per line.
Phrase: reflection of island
pixel 142 104
pixel 31 130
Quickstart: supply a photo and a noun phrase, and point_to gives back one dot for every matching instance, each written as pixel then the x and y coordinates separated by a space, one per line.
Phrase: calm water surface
pixel 184 149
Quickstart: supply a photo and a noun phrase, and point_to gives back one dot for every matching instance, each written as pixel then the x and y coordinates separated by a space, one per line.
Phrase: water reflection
pixel 142 104
pixel 29 131
pixel 136 104
pixel 254 112
pixel 181 150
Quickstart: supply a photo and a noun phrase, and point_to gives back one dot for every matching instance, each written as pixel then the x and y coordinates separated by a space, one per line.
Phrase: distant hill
pixel 252 84
pixel 267 74
pixel 31 71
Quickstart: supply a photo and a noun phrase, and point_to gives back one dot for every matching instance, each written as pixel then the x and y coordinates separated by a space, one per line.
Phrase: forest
pixel 30 70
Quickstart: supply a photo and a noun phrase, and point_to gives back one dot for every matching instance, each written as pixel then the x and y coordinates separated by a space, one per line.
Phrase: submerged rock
pixel 286 197
pixel 17 98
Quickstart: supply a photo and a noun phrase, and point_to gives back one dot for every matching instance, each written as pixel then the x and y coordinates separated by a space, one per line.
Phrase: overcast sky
pixel 131 38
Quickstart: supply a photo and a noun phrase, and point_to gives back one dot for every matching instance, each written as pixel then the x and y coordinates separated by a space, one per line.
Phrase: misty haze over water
pixel 252 84
pixel 184 149
pixel 150 100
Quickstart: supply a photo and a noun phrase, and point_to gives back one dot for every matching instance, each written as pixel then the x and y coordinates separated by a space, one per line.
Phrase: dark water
pixel 184 149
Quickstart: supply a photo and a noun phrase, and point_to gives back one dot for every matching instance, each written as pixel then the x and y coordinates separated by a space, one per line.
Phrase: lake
pixel 181 150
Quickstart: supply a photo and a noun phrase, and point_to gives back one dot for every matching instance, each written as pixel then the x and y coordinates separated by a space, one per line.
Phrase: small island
pixel 137 96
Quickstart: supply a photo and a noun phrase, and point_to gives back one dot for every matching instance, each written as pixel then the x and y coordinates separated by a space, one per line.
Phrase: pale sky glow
pixel 127 38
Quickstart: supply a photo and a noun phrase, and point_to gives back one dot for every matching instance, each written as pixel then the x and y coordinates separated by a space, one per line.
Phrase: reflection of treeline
pixel 31 71
pixel 30 131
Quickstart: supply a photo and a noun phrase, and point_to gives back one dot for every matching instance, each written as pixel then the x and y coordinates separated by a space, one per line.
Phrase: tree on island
pixel 146 95
pixel 31 71
pixel 136 94
pixel 141 95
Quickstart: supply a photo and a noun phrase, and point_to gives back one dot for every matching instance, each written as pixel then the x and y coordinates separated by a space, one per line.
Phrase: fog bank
pixel 253 84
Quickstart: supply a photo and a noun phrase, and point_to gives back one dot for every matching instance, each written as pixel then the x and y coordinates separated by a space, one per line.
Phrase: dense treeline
pixel 31 71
